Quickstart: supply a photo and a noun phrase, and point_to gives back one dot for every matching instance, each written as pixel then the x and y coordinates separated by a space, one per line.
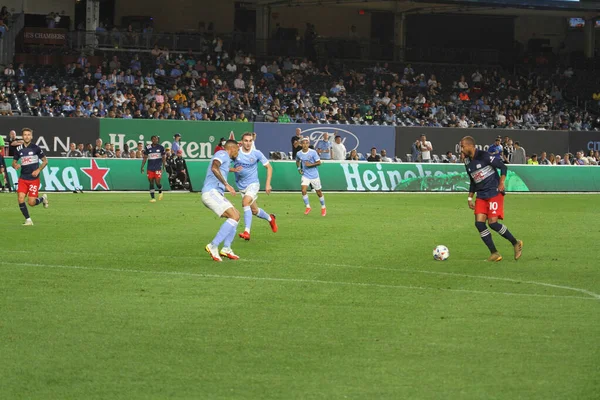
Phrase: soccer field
pixel 111 297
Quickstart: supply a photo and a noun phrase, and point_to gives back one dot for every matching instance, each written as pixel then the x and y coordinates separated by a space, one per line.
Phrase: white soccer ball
pixel 441 253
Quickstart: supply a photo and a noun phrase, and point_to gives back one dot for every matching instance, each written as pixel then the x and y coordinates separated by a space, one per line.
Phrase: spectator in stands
pixel 9 72
pixel 3 27
pixel 496 148
pixel 374 157
pixel 108 151
pixel 450 158
pixel 425 148
pixel 220 146
pixel 384 157
pixel 323 147
pixel 533 160
pixel 519 155
pixel 176 145
pixel 566 160
pixel 580 159
pixel 543 159
pixel 353 156
pixel 415 153
pixel 507 151
pixel 5 107
pixel 98 151
pixel 338 149
pixel 73 151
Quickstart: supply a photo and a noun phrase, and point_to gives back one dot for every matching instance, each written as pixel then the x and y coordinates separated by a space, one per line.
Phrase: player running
pixel 307 161
pixel 489 206
pixel 246 178
pixel 158 160
pixel 29 181
pixel 215 184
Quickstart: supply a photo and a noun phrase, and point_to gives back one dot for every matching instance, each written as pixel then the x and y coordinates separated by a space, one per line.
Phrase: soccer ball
pixel 441 253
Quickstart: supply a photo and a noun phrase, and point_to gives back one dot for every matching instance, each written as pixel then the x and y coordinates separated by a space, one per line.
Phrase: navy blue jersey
pixel 30 157
pixel 482 170
pixel 155 155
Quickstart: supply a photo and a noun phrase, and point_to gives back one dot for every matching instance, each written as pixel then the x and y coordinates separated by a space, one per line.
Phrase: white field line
pixel 324 190
pixel 593 296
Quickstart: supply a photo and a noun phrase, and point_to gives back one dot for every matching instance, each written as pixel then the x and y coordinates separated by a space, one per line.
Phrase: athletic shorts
pixel 316 183
pixel 251 190
pixel 216 202
pixel 31 187
pixel 154 174
pixel 492 207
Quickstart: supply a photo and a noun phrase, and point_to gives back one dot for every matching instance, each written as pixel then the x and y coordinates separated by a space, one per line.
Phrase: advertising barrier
pixel 448 139
pixel 198 138
pixel 102 174
pixel 277 137
pixel 584 140
pixel 53 135
pixel 45 36
pixel 69 174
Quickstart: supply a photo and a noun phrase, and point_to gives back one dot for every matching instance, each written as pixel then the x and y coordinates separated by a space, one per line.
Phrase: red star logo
pixel 97 175
pixel 231 135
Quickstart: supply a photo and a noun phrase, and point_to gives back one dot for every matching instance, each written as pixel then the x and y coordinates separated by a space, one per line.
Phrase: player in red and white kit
pixel 489 206
pixel 157 157
pixel 29 155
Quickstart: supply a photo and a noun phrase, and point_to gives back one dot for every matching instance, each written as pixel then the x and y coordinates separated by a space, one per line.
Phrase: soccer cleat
pixel 518 249
pixel 323 212
pixel 45 200
pixel 495 257
pixel 273 223
pixel 226 252
pixel 28 222
pixel 213 251
pixel 152 200
pixel 245 235
pixel 160 196
pixel 307 210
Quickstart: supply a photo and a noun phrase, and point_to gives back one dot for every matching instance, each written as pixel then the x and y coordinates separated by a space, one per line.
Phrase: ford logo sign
pixel 349 139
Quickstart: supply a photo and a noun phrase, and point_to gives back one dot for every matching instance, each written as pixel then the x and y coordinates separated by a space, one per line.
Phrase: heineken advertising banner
pixel 277 137
pixel 102 174
pixel 448 139
pixel 388 177
pixel 198 138
pixel 53 135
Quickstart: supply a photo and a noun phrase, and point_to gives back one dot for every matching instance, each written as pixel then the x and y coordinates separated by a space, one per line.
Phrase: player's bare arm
pixel 298 166
pixel 16 165
pixel 269 176
pixel 41 167
pixel 144 159
pixel 315 164
pixel 215 167
pixel 236 169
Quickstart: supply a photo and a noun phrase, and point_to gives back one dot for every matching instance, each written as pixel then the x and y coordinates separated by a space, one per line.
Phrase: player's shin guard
pixel 486 236
pixel 225 231
pixel 159 187
pixel 322 200
pixel 262 214
pixel 247 218
pixel 305 198
pixel 231 236
pixel 24 210
pixel 151 189
pixel 504 232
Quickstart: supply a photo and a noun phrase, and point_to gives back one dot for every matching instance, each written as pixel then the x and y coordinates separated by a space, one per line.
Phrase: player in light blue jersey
pixel 215 185
pixel 308 161
pixel 246 178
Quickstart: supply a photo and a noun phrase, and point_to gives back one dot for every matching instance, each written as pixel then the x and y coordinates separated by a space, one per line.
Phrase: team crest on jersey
pixel 478 165
pixel 252 160
pixel 31 153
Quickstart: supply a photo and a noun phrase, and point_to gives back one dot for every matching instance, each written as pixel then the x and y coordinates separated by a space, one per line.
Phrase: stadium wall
pixel 73 174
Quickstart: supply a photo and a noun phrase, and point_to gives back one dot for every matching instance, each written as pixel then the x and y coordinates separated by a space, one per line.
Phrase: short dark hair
pixel 26 130
pixel 517 143
pixel 468 139
pixel 373 148
pixel 534 155
pixel 231 142
pixel 338 136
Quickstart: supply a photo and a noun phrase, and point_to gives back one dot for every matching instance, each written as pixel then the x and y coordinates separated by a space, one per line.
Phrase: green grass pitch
pixel 111 297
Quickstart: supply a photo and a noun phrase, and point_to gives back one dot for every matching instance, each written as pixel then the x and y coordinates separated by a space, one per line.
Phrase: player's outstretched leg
pixel 151 189
pixel 505 233
pixel 486 236
pixel 160 193
pixel 322 201
pixel 260 213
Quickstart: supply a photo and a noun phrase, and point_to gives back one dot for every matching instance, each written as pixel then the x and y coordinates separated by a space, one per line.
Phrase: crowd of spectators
pixel 217 86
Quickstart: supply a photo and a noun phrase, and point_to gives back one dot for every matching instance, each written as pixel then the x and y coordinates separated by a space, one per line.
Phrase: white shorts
pixel 216 202
pixel 252 191
pixel 316 183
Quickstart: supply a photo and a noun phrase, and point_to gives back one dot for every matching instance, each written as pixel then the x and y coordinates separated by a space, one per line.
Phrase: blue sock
pixel 486 236
pixel 262 214
pixel 322 200
pixel 231 235
pixel 38 201
pixel 24 210
pixel 159 186
pixel 152 190
pixel 305 198
pixel 248 218
pixel 504 232
pixel 224 232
